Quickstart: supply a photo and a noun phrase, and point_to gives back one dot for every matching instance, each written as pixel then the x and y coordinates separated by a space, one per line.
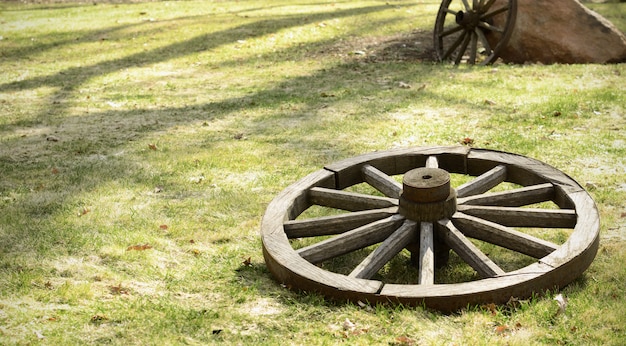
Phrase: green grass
pixel 174 124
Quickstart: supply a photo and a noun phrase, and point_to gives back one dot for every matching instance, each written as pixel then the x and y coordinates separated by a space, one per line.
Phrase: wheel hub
pixel 427 195
pixel 468 19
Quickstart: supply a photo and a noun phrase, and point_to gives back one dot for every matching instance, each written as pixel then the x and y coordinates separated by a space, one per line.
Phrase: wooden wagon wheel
pixel 348 255
pixel 473 32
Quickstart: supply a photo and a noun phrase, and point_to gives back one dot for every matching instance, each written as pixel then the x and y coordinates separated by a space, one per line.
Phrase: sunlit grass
pixel 140 144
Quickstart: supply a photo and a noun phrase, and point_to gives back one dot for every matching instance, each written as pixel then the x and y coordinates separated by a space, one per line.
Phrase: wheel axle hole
pixel 427 176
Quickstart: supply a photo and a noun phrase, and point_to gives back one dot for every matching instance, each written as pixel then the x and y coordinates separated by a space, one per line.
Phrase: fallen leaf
pixel 52 139
pixel 158 189
pixel 139 247
pixel 491 307
pixel 54 170
pixel 239 135
pixel 501 329
pixel 39 335
pixel 84 211
pixel 404 85
pixel 152 146
pixel 98 318
pixel 467 141
pixel 490 102
pixel 163 227
pixel 247 262
pixel 118 289
pixel 556 114
pixel 404 341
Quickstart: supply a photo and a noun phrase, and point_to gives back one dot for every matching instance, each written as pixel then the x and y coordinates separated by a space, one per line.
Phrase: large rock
pixel 562 31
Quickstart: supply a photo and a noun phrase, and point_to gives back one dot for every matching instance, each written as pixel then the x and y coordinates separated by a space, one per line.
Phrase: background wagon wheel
pixel 473 31
pixel 515 224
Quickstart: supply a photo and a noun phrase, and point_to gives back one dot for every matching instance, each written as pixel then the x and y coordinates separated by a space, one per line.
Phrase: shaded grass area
pixel 173 124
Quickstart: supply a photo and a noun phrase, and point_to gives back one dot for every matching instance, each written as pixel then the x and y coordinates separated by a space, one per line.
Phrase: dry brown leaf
pixel 118 289
pixel 467 141
pixel 247 262
pixel 164 227
pixel 491 307
pixel 54 170
pixel 139 247
pixel 152 146
pixel 501 329
pixel 404 341
pixel 98 318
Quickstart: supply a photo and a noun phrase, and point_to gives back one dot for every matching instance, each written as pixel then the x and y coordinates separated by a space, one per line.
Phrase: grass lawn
pixel 140 143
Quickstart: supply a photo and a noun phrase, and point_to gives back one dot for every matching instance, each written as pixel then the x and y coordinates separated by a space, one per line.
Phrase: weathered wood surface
pixel 335 224
pixel 285 264
pixel 350 201
pixel 558 264
pixel 347 242
pixel 404 235
pixel 427 254
pixel 398 161
pixel 483 182
pixel 503 236
pixel 484 266
pixel 523 217
pixel 512 198
pixel 382 182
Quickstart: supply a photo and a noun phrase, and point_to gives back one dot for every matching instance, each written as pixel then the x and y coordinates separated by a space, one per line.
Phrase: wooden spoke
pixel 454 46
pixel 350 201
pixel 494 13
pixel 503 236
pixel 432 162
pixel 335 224
pixel 523 217
pixel 483 183
pixel 427 254
pixel 486 6
pixel 485 267
pixel 382 182
pixel 473 47
pixel 404 235
pixel 490 27
pixel 347 242
pixel 483 41
pixel 513 198
pixel 451 31
pixel 463 48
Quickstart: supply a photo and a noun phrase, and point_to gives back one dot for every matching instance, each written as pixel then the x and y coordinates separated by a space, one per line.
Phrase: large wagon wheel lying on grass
pixel 473 32
pixel 361 254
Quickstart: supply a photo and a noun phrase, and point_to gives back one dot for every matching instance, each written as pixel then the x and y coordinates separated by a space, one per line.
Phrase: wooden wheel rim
pixel 472 23
pixel 556 269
